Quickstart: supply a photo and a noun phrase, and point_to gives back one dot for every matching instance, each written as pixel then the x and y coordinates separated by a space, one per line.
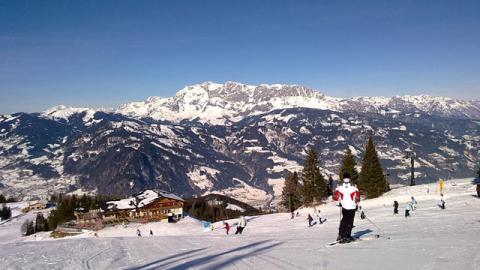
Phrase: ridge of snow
pixel 64 112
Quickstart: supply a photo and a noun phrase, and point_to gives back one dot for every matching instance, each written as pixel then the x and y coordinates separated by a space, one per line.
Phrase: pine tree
pixel 291 197
pixel 372 182
pixel 30 227
pixel 330 186
pixel 314 186
pixel 46 227
pixel 5 212
pixel 52 220
pixel 41 224
pixel 27 227
pixel 348 165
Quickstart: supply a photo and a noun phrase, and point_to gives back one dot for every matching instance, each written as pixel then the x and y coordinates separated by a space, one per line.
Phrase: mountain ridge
pixel 216 103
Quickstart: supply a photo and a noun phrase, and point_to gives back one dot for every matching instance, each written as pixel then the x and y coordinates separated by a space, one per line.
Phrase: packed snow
pixel 431 238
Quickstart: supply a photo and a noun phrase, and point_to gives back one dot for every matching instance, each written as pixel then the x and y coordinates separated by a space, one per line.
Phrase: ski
pixel 377 236
pixel 338 242
pixel 332 244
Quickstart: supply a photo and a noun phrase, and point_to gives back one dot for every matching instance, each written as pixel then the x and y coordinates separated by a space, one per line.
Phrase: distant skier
pixel 139 233
pixel 320 217
pixel 315 215
pixel 348 197
pixel 395 207
pixel 227 227
pixel 442 202
pixel 293 215
pixel 242 223
pixel 310 220
pixel 478 190
pixel 408 208
pixel 151 233
pixel 414 204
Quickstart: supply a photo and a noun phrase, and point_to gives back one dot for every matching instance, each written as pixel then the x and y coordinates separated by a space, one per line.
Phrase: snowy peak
pixel 62 111
pixel 239 92
pixel 229 102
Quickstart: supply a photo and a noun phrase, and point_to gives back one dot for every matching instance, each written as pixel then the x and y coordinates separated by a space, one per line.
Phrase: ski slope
pixel 430 239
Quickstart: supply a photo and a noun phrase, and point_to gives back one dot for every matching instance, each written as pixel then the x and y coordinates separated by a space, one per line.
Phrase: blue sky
pixel 104 53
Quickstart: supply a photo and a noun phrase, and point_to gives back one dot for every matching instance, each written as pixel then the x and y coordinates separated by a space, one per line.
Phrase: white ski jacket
pixel 347 195
pixel 242 222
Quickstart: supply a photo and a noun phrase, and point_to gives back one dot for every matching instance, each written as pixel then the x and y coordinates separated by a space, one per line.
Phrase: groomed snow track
pixel 430 239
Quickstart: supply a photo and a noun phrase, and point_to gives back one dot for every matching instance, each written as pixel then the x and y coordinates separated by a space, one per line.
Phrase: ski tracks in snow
pixel 88 262
pixel 112 253
pixel 280 263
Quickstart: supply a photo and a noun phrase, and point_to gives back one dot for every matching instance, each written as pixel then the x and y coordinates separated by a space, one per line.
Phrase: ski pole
pixel 375 225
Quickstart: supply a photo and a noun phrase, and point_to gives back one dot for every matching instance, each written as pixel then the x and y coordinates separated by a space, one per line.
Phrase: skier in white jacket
pixel 242 223
pixel 349 197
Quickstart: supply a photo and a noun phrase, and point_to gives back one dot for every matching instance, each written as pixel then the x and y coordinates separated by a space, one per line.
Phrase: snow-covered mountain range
pixel 231 138
pixel 230 102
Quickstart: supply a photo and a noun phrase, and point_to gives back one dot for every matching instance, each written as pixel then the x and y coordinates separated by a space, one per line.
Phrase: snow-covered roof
pixel 144 199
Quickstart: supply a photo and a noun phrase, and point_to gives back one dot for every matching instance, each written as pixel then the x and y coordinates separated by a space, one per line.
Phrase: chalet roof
pixel 143 199
pixel 37 202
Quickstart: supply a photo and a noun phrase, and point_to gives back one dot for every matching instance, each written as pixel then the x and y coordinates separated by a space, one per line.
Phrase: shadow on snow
pixel 156 264
pixel 252 250
pixel 359 234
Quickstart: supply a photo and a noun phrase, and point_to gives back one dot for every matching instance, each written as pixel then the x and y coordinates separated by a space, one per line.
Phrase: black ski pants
pixel 346 224
pixel 239 230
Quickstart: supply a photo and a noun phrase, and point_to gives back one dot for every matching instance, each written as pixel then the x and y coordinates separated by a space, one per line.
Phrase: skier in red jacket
pixel 227 227
pixel 348 198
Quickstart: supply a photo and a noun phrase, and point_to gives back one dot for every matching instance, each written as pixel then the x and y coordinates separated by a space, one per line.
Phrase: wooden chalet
pixel 88 219
pixel 147 206
pixel 37 206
